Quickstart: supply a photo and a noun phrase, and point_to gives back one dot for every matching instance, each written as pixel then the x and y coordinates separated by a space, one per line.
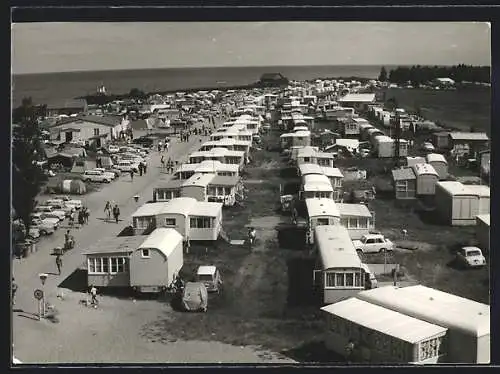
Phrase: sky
pixel 60 47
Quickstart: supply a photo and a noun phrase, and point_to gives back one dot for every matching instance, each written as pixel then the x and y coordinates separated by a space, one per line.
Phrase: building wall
pixel 464 210
pixel 409 193
pixel 181 223
pixel 207 234
pixel 86 130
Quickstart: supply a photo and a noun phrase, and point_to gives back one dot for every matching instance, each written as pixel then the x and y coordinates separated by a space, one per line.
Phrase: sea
pixel 53 87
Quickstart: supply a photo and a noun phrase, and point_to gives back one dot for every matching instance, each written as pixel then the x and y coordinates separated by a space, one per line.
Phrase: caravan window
pixel 201 222
pixel 323 221
pixel 169 221
pixel 118 265
pixel 145 253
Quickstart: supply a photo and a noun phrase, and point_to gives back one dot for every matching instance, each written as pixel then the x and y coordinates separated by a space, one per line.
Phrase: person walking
pixel 86 215
pixel 107 210
pixel 59 264
pixel 145 167
pixel 140 169
pixel 14 290
pixel 162 161
pixel 80 217
pixel 93 295
pixel 131 175
pixel 116 212
pixel 72 218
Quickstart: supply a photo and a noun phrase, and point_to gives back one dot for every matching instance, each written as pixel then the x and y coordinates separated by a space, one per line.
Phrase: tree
pixel 27 176
pixel 383 75
pixel 136 93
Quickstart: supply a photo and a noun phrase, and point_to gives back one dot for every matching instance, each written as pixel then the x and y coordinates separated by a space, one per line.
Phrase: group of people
pixel 112 209
pixel 185 136
pixel 163 146
pixel 169 165
pixel 82 216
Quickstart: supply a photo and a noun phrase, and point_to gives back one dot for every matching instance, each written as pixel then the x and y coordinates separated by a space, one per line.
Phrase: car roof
pixel 467 249
pixel 206 270
pixel 371 236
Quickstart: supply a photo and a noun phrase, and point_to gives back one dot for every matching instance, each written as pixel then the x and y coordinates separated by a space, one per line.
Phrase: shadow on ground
pixel 313 352
pixel 300 283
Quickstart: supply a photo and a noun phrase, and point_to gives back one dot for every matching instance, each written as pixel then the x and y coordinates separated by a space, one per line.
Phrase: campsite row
pixel 390 323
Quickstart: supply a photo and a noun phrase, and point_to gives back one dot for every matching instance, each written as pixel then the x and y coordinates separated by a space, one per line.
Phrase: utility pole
pixel 397 134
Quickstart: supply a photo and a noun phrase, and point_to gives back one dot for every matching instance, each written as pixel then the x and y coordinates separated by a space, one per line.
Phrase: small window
pixel 349 279
pixel 145 253
pixel 169 221
pixel 96 132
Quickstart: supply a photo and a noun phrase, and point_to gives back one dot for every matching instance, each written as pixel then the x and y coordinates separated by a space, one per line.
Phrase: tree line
pixel 419 75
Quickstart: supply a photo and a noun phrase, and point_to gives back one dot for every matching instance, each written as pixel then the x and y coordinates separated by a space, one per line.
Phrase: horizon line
pixel 239 67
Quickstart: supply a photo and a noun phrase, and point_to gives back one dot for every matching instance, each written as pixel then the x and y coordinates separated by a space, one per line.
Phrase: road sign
pixel 38 294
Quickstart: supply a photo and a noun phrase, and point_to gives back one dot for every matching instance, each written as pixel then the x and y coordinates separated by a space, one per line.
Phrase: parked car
pixel 60 205
pixel 34 232
pixel 44 224
pixel 470 257
pixel 113 148
pixel 145 141
pixel 106 172
pixel 210 277
pixel 373 243
pixel 96 176
pixel 51 211
pixel 77 204
pixel 127 165
pixel 428 147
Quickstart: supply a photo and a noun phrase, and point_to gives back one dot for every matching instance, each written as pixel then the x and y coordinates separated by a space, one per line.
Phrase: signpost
pixel 39 296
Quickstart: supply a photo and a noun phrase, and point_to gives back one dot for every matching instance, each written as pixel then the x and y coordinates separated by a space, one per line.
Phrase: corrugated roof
pixel 424 169
pixel 386 321
pixel 198 179
pixel 403 174
pixel 335 247
pixel 353 210
pixel 206 209
pixel 429 305
pixel 322 207
pixel 163 239
pixel 123 245
pixel 469 136
pixel 435 157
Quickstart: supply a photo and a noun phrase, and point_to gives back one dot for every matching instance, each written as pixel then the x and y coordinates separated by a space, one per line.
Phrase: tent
pixel 81 165
pixel 64 159
pixel 195 297
pixel 72 186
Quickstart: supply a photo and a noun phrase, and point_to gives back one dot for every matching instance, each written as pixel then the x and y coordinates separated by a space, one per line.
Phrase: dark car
pixel 144 141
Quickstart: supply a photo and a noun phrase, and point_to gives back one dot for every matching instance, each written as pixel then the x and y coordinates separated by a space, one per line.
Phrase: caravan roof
pixel 179 205
pixel 305 169
pixel 433 306
pixel 335 247
pixel 435 157
pixel 206 209
pixel 331 172
pixel 354 210
pixel 149 209
pixel 163 239
pixel 424 169
pixel 322 207
pixel 199 179
pixel 116 244
pixel 384 320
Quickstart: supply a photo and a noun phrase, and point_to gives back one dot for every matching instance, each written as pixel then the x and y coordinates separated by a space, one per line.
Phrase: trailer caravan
pixel 320 212
pixel 339 272
pixel 157 261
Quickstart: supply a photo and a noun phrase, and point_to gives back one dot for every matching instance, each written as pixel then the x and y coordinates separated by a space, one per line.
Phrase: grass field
pixel 463 108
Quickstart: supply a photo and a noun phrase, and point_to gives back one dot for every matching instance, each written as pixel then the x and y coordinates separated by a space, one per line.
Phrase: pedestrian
pixel 72 218
pixel 160 146
pixel 131 175
pixel 165 147
pixel 86 214
pixel 107 210
pixel 80 217
pixel 14 290
pixel 59 264
pixel 145 167
pixel 67 240
pixel 116 213
pixel 140 169
pixel 162 161
pixel 93 295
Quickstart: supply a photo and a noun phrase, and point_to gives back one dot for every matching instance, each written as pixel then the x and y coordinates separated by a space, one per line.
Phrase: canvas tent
pixel 72 186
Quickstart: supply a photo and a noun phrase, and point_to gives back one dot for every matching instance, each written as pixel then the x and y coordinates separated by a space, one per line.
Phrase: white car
pixel 127 165
pixel 44 224
pixel 428 147
pixel 373 243
pixel 60 205
pixel 96 176
pixel 113 148
pixel 51 212
pixel 106 172
pixel 75 203
pixel 470 257
pixel 34 232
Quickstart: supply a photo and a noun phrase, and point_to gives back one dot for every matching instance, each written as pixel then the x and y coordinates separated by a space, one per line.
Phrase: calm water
pixel 44 88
